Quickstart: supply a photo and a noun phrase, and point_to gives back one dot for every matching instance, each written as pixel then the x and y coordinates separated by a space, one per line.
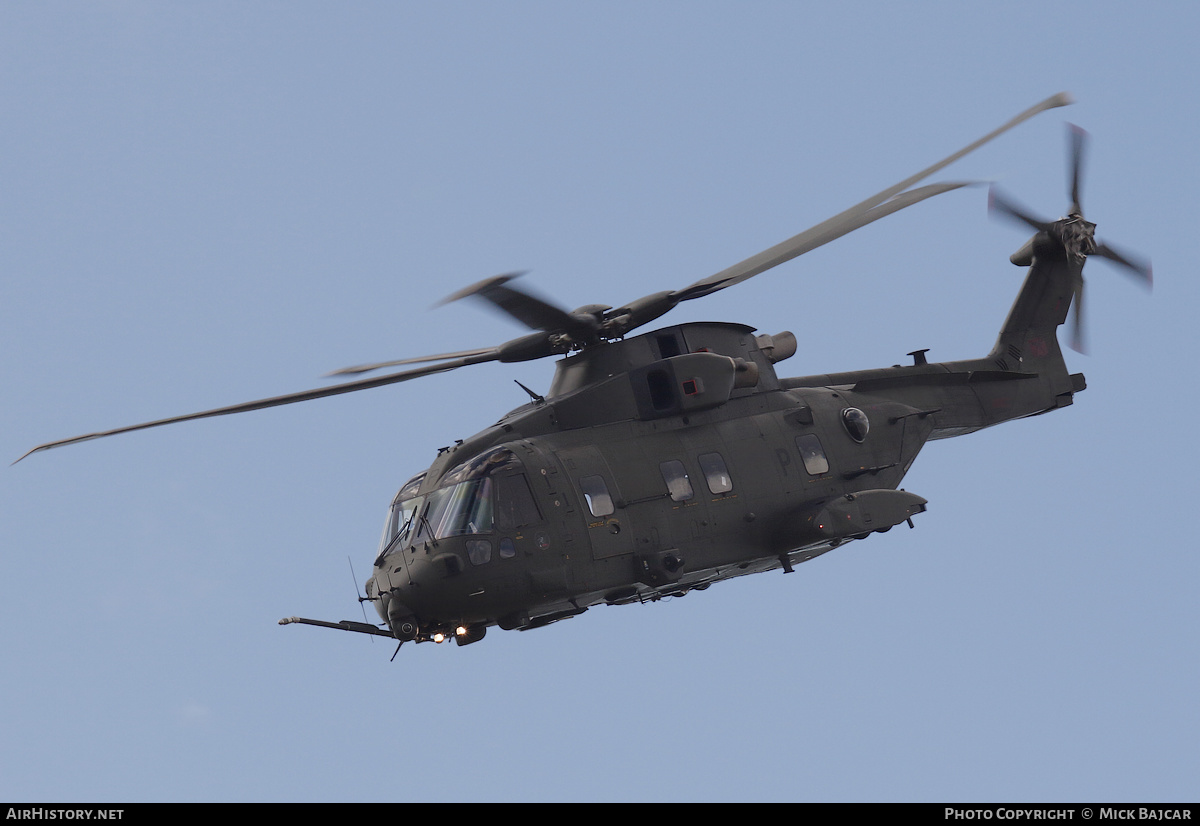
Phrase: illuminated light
pixel 439 637
pixel 460 631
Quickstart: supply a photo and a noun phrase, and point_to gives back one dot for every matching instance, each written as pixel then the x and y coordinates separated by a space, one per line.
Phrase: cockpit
pixel 486 494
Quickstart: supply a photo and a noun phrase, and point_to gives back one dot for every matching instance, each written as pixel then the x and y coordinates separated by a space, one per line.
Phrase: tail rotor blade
pixel 1078 330
pixel 1073 235
pixel 1078 141
pixel 998 203
pixel 1139 269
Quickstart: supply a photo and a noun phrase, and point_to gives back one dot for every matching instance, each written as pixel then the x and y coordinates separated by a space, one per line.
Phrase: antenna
pixel 538 399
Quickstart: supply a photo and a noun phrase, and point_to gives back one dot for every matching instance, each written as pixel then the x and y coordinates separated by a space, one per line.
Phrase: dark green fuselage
pixel 663 463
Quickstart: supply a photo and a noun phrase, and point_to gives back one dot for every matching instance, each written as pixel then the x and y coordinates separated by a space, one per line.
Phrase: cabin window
pixel 856 422
pixel 507 549
pixel 596 493
pixel 479 551
pixel 812 454
pixel 678 484
pixel 715 472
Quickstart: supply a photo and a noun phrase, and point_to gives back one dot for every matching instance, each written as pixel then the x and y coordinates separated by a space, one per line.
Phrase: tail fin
pixel 1028 341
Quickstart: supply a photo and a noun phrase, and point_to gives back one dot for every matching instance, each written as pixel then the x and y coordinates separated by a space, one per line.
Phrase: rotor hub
pixel 1077 236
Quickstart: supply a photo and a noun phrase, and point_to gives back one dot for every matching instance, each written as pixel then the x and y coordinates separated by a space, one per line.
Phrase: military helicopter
pixel 661 463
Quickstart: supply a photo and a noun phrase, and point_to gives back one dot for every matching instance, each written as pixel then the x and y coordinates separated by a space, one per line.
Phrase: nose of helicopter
pixel 398 616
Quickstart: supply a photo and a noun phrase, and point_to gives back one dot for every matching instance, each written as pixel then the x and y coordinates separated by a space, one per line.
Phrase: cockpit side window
pixel 468 509
pixel 487 492
pixel 515 506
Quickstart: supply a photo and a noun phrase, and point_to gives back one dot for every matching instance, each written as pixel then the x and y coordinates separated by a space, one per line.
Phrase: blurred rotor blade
pixel 291 398
pixel 1136 267
pixel 1061 99
pixel 1078 141
pixel 1078 330
pixel 1001 204
pixel 531 311
pixel 809 240
pixel 366 368
pixel 856 216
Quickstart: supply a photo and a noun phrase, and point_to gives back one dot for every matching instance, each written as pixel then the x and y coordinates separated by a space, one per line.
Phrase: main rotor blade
pixel 852 218
pixel 810 239
pixel 1053 102
pixel 366 368
pixel 291 398
pixel 531 311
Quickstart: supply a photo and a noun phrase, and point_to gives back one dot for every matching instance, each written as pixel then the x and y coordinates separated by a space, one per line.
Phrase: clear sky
pixel 202 204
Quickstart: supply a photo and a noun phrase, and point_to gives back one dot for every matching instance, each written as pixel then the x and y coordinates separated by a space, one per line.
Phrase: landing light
pixel 439 637
pixel 460 631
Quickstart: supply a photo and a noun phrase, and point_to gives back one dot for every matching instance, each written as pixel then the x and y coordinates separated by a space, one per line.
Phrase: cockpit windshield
pixel 486 493
pixel 402 515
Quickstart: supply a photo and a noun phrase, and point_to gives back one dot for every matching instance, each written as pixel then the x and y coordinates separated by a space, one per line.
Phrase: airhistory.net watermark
pixel 43 813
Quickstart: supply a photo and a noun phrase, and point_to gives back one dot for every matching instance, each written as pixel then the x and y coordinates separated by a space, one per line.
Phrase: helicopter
pixel 660 463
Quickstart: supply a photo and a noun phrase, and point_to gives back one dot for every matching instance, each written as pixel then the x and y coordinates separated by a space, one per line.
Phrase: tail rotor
pixel 1071 236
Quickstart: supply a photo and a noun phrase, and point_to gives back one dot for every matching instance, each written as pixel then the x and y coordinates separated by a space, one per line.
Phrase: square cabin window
pixel 715 472
pixel 812 454
pixel 678 484
pixel 596 493
pixel 479 551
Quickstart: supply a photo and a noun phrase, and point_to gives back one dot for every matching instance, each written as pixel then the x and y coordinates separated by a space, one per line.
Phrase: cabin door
pixel 609 530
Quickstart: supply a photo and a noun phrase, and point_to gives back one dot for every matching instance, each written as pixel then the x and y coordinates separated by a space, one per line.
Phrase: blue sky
pixel 210 203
